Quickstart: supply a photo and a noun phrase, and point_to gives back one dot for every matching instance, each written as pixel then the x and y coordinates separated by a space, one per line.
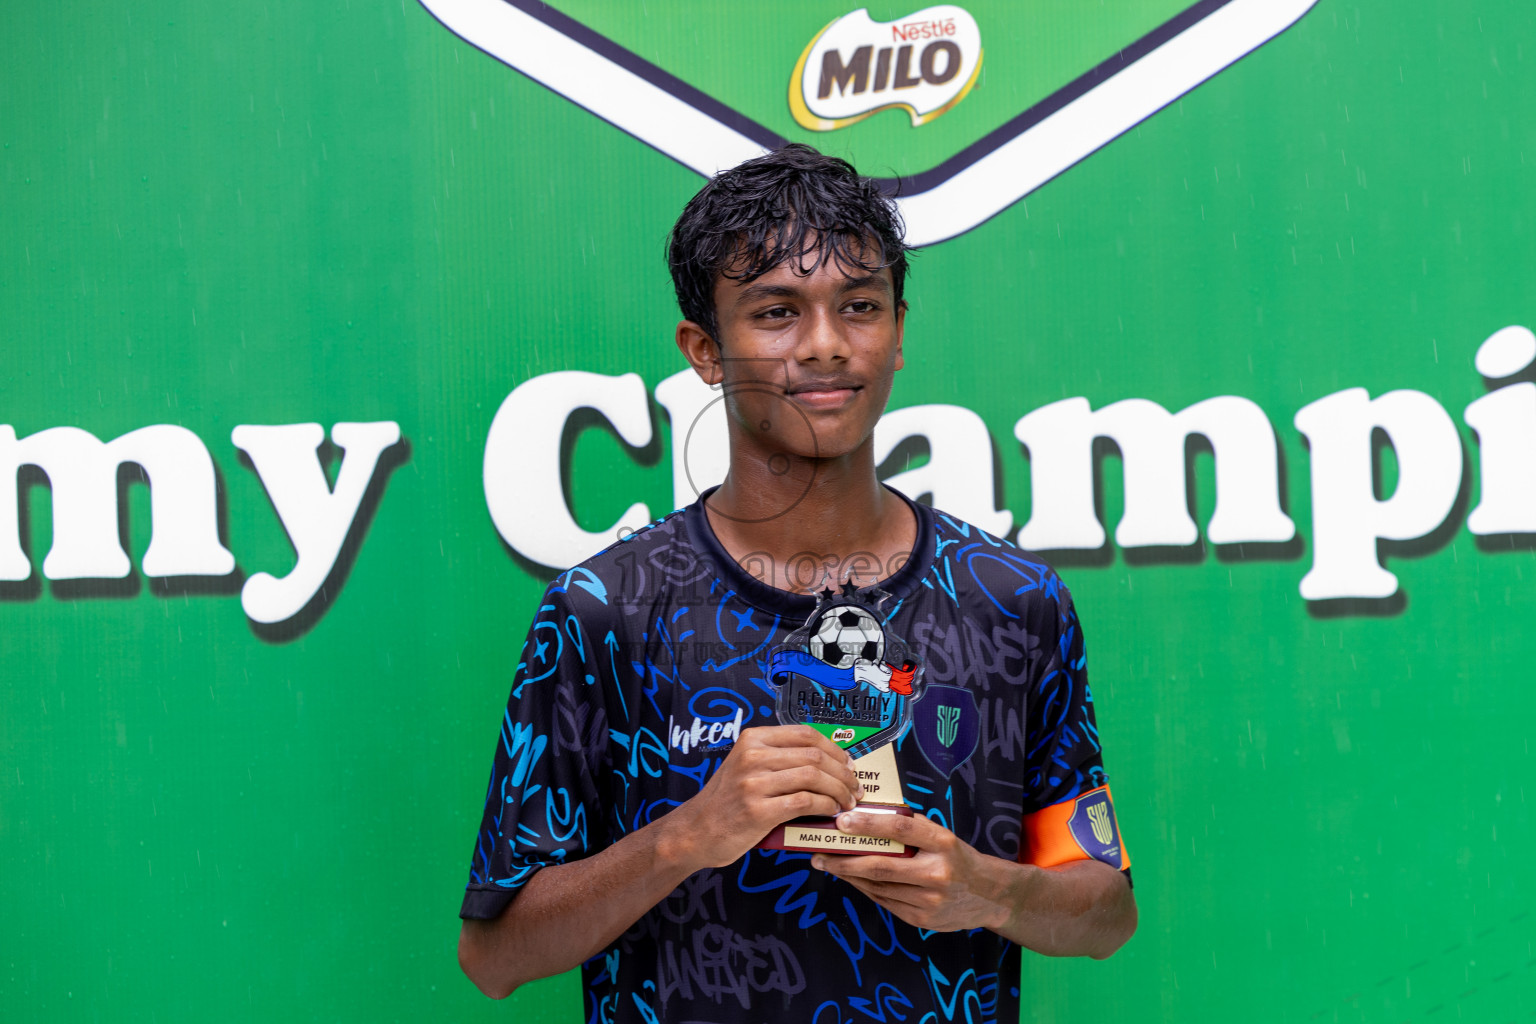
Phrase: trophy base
pixel 821 835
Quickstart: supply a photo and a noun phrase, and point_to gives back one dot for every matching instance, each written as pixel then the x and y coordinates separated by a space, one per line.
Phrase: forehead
pixel 804 273
pixel 794 249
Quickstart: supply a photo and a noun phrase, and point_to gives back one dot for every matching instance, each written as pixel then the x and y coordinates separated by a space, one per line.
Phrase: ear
pixel 901 320
pixel 701 351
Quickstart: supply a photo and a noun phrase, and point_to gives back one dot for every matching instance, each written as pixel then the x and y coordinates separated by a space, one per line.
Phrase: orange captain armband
pixel 1082 828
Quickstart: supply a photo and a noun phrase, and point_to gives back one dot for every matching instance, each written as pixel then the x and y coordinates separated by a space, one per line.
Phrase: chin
pixel 818 437
pixel 839 444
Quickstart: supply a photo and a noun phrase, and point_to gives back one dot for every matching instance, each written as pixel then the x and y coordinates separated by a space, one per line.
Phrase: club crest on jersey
pixel 846 674
pixel 1094 828
pixel 948 726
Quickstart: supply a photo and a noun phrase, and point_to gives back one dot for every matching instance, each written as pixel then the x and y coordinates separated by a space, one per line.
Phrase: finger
pixel 784 759
pixel 872 869
pixel 779 758
pixel 799 804
pixel 798 736
pixel 888 899
pixel 811 779
pixel 913 830
pixel 891 872
pixel 895 892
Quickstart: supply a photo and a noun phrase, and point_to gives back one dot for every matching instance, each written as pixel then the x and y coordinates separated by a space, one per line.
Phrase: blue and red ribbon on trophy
pixel 883 677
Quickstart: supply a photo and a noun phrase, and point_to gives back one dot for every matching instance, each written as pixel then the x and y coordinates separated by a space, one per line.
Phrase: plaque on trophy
pixel 848 676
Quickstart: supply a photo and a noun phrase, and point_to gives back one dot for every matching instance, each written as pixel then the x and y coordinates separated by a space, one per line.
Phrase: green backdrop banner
pixel 330 330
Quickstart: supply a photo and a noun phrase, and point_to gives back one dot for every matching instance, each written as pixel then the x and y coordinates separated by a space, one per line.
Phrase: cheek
pixel 884 361
pixel 880 386
pixel 764 412
pixel 745 403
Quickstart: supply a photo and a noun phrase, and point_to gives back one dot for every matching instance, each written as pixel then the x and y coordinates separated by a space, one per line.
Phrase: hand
pixel 948 886
pixel 773 774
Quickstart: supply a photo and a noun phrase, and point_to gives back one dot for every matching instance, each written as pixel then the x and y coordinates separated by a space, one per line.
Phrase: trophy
pixel 850 678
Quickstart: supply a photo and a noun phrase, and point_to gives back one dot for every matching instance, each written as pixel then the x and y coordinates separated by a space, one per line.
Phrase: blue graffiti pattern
pixel 640 669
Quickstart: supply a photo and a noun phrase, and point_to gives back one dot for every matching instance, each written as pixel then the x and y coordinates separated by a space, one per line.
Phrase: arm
pixel 567 913
pixel 1083 908
pixel 1058 903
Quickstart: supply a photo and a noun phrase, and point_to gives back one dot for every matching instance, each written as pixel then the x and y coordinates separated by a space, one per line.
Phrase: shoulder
pixel 985 571
pixel 617 578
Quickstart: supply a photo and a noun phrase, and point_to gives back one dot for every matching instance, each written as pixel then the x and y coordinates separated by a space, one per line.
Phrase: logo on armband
pixel 1093 827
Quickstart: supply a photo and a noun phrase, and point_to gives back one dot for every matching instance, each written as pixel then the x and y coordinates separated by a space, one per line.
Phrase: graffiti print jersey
pixel 638 674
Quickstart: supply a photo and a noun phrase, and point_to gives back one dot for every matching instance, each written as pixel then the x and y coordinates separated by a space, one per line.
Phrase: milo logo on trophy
pixel 854 681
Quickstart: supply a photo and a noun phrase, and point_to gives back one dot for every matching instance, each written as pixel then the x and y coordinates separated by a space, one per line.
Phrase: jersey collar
pixel 791 605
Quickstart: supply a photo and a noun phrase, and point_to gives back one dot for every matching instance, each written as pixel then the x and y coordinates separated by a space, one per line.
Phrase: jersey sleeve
pixel 541 806
pixel 1068 814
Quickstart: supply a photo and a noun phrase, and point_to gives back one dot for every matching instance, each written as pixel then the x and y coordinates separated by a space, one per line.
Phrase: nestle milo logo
pixel 924 63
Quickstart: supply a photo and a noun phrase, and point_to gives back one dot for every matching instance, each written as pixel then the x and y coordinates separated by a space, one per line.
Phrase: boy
pixel 642 761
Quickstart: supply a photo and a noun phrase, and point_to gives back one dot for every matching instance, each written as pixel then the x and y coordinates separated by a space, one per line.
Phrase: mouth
pixel 825 394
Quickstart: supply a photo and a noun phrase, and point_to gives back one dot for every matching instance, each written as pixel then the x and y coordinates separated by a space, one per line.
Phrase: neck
pixel 833 509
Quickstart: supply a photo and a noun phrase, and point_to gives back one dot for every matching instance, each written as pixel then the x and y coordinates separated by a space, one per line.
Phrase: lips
pixel 827 393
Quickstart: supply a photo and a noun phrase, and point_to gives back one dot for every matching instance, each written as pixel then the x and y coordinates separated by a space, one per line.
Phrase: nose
pixel 823 337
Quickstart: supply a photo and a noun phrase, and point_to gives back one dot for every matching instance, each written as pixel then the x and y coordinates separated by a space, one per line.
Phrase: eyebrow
pixel 867 281
pixel 754 292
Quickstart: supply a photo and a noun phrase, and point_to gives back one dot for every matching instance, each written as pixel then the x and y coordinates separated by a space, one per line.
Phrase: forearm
pixel 1084 908
pixel 567 913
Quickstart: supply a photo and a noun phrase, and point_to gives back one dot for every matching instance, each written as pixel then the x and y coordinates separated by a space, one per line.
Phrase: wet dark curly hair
pixel 791 204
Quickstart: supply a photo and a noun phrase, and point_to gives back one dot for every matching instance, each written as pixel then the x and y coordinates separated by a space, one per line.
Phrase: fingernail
pixel 848 820
pixel 819 863
pixel 859 794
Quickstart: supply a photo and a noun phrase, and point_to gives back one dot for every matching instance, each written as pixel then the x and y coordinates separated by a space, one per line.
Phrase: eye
pixel 863 306
pixel 775 313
